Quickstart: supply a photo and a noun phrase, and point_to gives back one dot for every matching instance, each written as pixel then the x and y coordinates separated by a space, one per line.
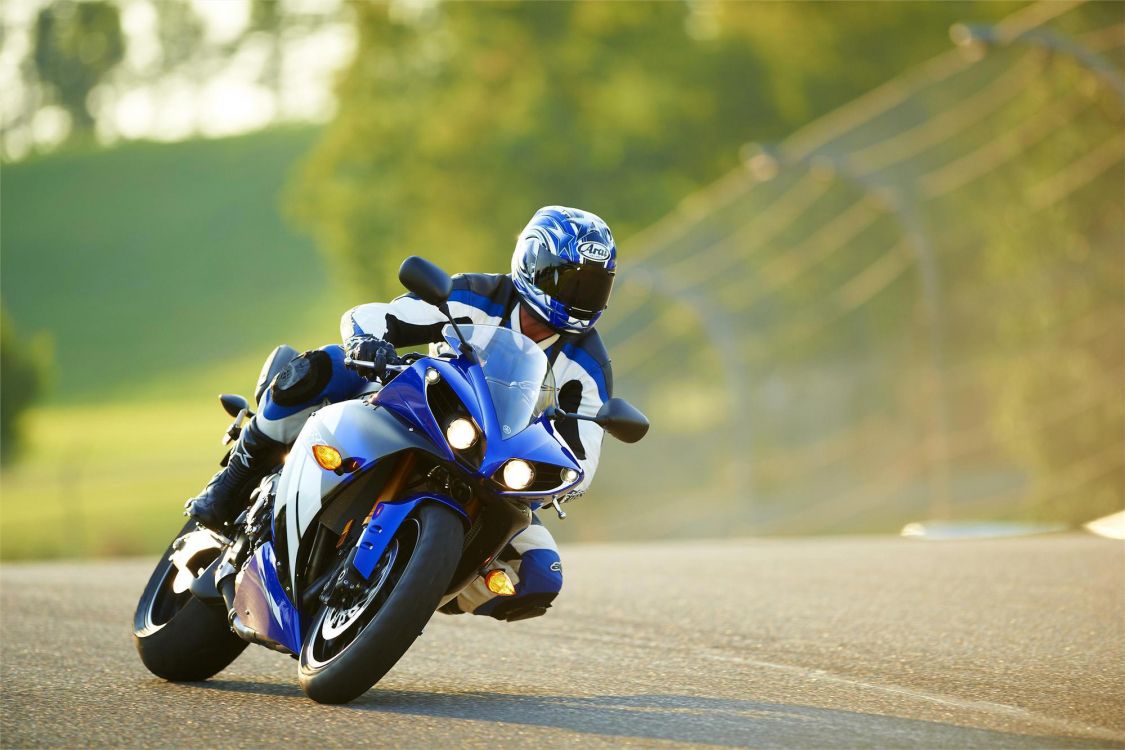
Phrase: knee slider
pixel 523 607
pixel 302 379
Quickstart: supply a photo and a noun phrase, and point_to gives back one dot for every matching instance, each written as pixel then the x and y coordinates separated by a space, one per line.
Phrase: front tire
pixel 347 651
pixel 177 636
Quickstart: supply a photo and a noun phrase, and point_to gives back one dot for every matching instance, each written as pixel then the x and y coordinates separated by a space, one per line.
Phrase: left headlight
pixel 461 434
pixel 518 474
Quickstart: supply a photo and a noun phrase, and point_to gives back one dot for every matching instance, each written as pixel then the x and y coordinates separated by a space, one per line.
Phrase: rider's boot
pixel 225 496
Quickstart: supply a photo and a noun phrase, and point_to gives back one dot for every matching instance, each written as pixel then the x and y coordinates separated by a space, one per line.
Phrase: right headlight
pixel 518 474
pixel 461 434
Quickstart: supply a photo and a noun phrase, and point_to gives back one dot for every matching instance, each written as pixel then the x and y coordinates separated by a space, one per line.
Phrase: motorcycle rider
pixel 562 274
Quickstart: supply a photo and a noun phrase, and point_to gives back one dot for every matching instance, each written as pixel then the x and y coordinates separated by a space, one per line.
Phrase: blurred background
pixel 873 254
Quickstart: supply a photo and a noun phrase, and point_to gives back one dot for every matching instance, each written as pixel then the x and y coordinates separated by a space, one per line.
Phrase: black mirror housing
pixel 233 404
pixel 426 280
pixel 622 420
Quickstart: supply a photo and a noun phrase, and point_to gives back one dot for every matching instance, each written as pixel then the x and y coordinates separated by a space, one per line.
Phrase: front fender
pixel 384 525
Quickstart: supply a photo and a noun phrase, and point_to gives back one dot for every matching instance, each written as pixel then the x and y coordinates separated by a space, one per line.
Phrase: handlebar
pixel 349 362
pixel 388 371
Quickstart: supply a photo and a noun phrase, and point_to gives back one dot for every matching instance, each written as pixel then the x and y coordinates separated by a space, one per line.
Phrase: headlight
pixel 461 434
pixel 569 476
pixel 518 474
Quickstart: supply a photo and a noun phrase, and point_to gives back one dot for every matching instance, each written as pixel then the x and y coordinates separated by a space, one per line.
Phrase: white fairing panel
pixel 303 483
pixel 358 430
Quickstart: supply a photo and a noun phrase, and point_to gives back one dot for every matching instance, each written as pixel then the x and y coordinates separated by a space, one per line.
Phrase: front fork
pixel 379 527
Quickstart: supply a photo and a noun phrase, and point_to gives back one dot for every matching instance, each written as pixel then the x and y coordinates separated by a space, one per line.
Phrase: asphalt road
pixel 781 643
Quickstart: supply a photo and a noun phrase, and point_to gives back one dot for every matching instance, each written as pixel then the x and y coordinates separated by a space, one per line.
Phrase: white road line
pixel 1046 722
pixel 1034 720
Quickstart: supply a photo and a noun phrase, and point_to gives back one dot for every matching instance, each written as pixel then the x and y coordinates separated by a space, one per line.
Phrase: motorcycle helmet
pixel 563 267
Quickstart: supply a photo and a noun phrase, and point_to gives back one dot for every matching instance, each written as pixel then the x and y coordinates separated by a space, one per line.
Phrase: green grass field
pixel 163 273
pixel 93 483
pixel 153 265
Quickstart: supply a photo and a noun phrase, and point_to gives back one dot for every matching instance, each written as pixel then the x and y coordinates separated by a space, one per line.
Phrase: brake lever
pixel 388 369
pixel 349 362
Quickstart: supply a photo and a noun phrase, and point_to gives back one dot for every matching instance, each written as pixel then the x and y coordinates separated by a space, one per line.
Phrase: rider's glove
pixel 367 348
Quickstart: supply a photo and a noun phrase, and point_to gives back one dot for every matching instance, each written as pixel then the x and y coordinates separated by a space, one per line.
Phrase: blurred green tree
pixel 22 372
pixel 269 18
pixel 180 31
pixel 76 45
pixel 1057 329
pixel 459 120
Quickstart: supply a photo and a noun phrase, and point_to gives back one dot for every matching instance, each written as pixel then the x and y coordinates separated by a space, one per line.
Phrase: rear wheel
pixel 349 649
pixel 177 636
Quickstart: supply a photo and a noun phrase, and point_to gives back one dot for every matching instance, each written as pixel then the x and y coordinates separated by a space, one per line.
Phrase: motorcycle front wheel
pixel 177 636
pixel 348 650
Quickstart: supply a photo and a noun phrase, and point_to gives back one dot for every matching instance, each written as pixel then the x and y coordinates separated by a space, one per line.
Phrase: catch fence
pixel 912 308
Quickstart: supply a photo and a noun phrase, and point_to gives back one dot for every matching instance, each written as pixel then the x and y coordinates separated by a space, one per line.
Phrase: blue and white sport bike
pixel 384 506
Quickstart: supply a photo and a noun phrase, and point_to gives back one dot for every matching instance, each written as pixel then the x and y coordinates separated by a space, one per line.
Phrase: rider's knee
pixel 310 379
pixel 282 420
pixel 302 384
pixel 274 364
pixel 302 381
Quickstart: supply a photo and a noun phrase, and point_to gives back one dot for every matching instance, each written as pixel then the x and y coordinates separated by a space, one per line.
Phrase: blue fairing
pixel 406 397
pixel 530 445
pixel 262 604
pixel 384 524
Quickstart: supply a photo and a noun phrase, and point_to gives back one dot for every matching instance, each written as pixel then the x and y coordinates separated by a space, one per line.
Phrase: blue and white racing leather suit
pixel 582 373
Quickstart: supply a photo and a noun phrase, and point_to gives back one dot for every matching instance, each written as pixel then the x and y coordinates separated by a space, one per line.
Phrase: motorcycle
pixel 386 506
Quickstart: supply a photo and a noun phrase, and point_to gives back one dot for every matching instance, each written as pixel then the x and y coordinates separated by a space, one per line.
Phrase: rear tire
pixel 177 636
pixel 346 652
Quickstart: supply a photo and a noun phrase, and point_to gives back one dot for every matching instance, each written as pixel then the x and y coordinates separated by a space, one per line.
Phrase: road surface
pixel 853 642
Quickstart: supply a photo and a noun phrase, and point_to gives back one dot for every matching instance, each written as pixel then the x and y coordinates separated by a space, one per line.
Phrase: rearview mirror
pixel 426 280
pixel 234 405
pixel 622 420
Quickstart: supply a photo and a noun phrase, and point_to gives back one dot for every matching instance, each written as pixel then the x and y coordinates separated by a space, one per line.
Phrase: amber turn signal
pixel 328 457
pixel 499 583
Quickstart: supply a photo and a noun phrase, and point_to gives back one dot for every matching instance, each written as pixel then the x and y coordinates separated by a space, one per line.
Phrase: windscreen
pixel 517 372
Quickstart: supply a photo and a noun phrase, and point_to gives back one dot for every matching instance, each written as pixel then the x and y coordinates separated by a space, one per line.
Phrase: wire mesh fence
pixel 913 308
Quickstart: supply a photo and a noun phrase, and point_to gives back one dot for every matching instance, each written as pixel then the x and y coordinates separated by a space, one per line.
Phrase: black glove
pixel 367 348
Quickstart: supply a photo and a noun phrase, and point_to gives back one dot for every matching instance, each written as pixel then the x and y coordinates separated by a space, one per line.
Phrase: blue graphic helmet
pixel 563 267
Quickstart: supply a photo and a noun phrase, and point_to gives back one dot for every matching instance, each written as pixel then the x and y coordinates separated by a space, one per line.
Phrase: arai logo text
pixel 594 251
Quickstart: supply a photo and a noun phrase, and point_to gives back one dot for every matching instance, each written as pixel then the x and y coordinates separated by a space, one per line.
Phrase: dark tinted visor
pixel 584 288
